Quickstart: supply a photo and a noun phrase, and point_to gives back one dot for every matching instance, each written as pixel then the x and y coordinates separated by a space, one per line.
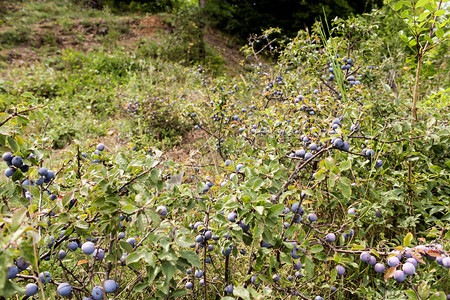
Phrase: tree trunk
pixel 202 3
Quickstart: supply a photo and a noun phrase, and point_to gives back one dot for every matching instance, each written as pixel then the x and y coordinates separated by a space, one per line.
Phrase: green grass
pixel 85 93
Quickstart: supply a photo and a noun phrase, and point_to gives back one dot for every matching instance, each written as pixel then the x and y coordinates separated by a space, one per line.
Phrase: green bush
pixel 306 171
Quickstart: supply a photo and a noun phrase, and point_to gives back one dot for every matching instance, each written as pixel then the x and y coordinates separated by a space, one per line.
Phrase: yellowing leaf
pixel 418 257
pixel 83 261
pixel 407 240
pixel 389 273
pixel 434 253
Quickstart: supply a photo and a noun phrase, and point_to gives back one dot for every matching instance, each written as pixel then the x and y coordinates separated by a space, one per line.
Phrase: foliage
pixel 311 170
pixel 246 17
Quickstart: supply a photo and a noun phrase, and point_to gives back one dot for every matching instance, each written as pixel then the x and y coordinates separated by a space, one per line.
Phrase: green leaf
pixel 321 256
pixel 275 210
pixel 329 163
pixel 168 269
pixel 13 144
pixel 345 165
pixel 129 209
pixel 309 267
pixel 240 291
pixel 316 248
pixel 407 240
pixel 344 184
pixel 411 294
pixel 125 246
pixel 257 231
pixel 400 4
pixel 18 217
pixel 337 258
pixel 191 257
pixel 178 293
pixel 438 296
pixel 121 161
pixel 259 209
pixel 134 257
pixel 412 43
pixel 358 247
pixel 421 3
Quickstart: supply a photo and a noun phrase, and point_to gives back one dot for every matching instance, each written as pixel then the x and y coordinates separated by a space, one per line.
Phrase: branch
pixel 15 114
pixel 121 189
pixel 298 167
pixel 387 142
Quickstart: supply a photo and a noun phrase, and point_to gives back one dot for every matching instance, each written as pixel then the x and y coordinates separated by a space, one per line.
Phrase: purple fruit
pixel 412 261
pixel 12 272
pixel 131 241
pixel 97 293
pixel 446 262
pixel 409 268
pixel 372 260
pixel 88 248
pixel 7 156
pixel 10 172
pixel 49 175
pixel 43 171
pixel 232 217
pixel 378 214
pixel 276 278
pixel 399 275
pixel 298 266
pixel 31 289
pixel 300 153
pixel 346 146
pixel 198 273
pixel 338 143
pixel 226 251
pixel 162 210
pixel 365 257
pixel 393 261
pixel 296 207
pixel 110 286
pixel 101 147
pixel 312 217
pixel 340 270
pixel 189 285
pixel 17 161
pixel 21 264
pixel 229 289
pixel 73 246
pixel 99 254
pixel 265 244
pixel 45 277
pixel 379 268
pixel 244 226
pixel 208 235
pixel 64 289
pixel 331 237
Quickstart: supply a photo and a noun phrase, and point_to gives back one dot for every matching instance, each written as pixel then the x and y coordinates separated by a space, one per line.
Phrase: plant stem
pixel 416 91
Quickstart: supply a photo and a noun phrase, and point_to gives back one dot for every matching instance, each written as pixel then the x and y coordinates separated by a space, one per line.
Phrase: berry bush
pixel 322 176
